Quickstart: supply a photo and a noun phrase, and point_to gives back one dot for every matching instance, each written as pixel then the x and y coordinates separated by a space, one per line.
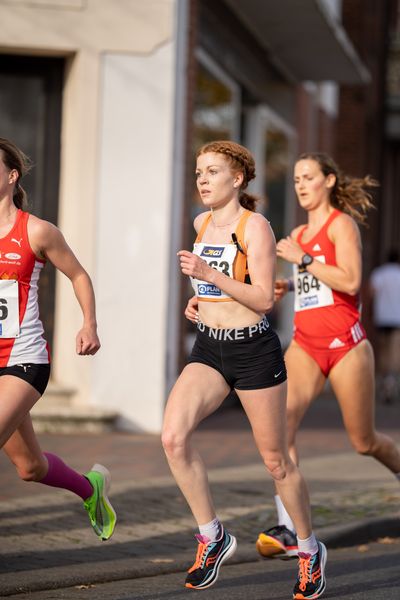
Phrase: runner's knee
pixel 275 467
pixel 174 444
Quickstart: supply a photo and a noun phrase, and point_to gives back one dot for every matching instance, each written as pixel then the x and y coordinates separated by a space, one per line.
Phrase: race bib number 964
pixel 309 291
pixel 9 309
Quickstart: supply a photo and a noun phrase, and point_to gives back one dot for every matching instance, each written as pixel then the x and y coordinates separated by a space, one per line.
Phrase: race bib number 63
pixel 220 257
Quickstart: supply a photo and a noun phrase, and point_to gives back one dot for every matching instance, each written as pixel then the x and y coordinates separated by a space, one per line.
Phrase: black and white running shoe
pixel 311 581
pixel 209 558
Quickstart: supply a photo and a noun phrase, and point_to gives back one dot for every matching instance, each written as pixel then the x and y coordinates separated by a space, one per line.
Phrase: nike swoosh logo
pixel 277 375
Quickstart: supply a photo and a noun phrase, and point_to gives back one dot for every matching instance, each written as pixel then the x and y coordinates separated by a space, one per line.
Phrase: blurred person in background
pixel 26 244
pixel 329 341
pixel 384 285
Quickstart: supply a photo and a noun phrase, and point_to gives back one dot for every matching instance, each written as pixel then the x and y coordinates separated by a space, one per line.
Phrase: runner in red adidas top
pixel 329 340
pixel 26 243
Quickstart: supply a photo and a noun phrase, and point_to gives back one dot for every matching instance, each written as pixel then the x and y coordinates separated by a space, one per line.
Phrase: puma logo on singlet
pixel 19 242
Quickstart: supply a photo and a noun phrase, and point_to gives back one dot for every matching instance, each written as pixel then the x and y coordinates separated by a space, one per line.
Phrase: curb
pixel 359 532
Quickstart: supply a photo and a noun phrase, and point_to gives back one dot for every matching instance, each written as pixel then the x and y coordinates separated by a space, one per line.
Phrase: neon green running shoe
pixel 101 514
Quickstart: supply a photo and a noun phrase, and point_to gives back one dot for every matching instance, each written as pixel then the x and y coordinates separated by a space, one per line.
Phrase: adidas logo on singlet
pixel 336 343
pixel 317 247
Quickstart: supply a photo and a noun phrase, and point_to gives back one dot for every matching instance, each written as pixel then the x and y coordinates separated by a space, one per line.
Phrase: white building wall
pixel 115 187
pixel 133 207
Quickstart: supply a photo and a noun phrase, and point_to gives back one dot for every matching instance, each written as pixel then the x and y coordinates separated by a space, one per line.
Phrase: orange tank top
pixel 230 259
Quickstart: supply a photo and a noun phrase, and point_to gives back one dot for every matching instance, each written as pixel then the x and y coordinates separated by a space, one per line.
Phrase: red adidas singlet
pixel 21 331
pixel 321 311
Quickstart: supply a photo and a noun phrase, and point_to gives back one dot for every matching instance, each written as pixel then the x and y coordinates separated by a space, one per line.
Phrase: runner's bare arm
pixel 281 289
pixel 346 275
pixel 48 242
pixel 191 312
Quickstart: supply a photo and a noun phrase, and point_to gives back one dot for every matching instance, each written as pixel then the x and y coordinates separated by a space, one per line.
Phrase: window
pixel 216 116
pixel 272 142
pixel 30 116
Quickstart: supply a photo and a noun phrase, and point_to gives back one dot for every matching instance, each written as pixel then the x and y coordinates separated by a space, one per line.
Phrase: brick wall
pixel 360 125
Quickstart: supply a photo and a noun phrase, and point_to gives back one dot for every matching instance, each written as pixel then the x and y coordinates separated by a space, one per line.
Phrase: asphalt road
pixel 370 572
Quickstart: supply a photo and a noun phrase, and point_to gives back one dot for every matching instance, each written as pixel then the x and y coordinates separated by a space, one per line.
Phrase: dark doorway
pixel 30 116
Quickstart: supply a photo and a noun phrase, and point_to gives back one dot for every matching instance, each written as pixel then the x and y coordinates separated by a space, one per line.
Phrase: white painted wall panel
pixel 136 141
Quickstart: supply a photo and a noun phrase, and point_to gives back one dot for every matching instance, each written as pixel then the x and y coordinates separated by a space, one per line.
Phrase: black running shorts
pixel 37 375
pixel 249 358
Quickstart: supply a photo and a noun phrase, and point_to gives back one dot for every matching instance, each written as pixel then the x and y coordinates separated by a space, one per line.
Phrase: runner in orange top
pixel 235 348
pixel 329 340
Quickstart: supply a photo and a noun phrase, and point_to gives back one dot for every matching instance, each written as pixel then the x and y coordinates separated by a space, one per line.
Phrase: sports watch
pixel 306 261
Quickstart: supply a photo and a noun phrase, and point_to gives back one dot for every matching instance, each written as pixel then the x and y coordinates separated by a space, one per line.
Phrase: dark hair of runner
pixel 349 194
pixel 14 158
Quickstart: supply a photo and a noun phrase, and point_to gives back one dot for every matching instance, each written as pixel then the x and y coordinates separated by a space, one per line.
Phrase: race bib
pixel 309 291
pixel 9 308
pixel 217 256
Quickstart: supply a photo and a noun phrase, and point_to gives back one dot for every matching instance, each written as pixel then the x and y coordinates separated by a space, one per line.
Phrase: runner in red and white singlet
pixel 19 310
pixel 329 340
pixel 26 243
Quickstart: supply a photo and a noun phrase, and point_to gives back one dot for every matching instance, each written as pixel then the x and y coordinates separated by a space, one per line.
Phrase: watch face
pixel 307 259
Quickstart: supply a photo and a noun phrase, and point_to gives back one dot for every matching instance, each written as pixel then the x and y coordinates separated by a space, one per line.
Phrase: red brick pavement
pixel 224 440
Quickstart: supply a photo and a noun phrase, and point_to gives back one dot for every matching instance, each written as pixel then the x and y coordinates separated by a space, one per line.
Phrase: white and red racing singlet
pixel 21 330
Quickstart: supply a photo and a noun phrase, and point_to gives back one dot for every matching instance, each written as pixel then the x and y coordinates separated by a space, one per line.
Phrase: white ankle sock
pixel 213 530
pixel 309 545
pixel 283 515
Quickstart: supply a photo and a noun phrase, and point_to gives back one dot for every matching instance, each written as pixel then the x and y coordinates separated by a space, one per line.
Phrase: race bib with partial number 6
pixel 9 308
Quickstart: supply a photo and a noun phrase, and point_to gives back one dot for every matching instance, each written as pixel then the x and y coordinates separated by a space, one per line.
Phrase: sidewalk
pixel 47 542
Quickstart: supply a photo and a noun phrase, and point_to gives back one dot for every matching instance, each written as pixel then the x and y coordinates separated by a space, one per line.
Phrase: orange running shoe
pixel 209 558
pixel 311 581
pixel 277 542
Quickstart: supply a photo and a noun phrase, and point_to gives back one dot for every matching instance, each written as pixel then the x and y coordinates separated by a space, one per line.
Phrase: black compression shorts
pixel 249 358
pixel 35 374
